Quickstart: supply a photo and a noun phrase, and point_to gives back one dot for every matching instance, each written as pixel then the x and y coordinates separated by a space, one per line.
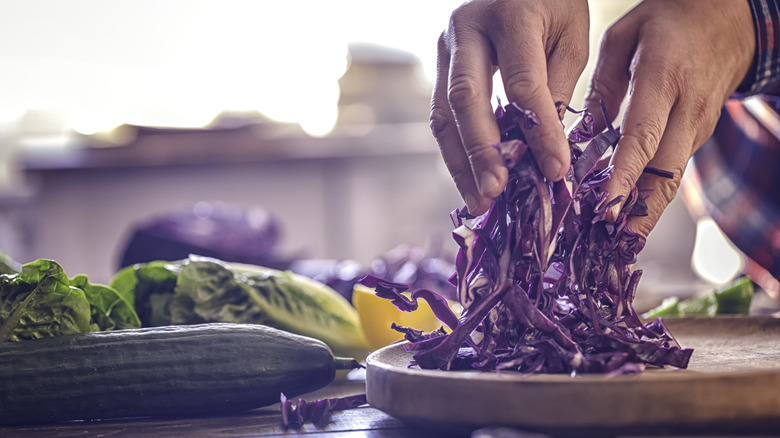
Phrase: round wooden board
pixel 733 380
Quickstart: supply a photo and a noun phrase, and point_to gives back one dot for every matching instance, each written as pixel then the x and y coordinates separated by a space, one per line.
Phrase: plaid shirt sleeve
pixel 764 76
pixel 735 177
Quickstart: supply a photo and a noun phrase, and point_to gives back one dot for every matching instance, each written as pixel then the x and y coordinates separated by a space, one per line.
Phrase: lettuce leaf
pixel 109 310
pixel 8 265
pixel 209 290
pixel 39 302
pixel 202 289
pixel 151 287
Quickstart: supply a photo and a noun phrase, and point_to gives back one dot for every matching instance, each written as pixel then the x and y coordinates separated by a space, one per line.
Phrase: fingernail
pixel 551 167
pixel 488 183
pixel 613 213
pixel 471 202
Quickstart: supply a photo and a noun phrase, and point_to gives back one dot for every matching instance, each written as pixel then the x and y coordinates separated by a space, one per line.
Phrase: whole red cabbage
pixel 544 278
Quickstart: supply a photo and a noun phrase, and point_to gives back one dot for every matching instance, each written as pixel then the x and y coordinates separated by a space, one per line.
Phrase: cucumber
pixel 173 371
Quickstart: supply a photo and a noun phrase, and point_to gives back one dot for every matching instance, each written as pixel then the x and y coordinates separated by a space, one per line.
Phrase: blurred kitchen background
pixel 308 117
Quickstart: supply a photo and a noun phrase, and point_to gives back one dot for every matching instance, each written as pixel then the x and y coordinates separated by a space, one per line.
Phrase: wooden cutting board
pixel 732 385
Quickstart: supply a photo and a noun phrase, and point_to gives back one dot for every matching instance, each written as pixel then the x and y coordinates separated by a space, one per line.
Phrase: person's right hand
pixel 541 48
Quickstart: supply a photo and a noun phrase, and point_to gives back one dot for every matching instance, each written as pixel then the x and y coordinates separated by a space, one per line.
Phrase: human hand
pixel 679 61
pixel 540 48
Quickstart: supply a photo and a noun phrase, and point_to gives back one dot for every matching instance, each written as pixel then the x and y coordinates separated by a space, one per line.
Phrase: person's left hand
pixel 679 61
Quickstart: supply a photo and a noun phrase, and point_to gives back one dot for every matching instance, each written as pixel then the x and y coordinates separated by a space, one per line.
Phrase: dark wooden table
pixel 264 422
pixel 364 421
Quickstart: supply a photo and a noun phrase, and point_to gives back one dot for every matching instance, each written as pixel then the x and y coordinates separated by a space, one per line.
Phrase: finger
pixel 523 66
pixel 565 65
pixel 673 154
pixel 446 133
pixel 611 74
pixel 468 94
pixel 644 124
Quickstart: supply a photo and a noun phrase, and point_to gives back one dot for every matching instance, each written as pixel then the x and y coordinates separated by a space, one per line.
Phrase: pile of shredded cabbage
pixel 544 278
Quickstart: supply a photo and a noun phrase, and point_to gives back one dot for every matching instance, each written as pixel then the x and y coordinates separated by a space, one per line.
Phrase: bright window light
pixel 182 62
pixel 715 258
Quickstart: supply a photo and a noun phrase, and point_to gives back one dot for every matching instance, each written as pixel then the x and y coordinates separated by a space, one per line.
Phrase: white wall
pixel 354 208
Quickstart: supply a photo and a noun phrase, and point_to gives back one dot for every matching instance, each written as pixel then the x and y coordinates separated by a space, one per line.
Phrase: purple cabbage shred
pixel 545 279
pixel 317 412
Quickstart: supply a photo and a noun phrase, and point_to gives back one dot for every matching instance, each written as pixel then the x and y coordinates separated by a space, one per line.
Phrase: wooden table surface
pixel 364 421
pixel 264 422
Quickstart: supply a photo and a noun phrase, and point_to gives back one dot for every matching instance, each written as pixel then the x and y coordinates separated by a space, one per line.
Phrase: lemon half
pixel 378 314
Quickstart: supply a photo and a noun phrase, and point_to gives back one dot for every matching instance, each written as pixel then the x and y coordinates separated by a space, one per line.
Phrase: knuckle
pixel 697 108
pixel 520 80
pixel 668 73
pixel 440 120
pixel 573 55
pixel 462 92
pixel 456 16
pixel 674 75
pixel 702 115
pixel 642 143
pixel 666 189
pixel 507 10
pixel 479 153
pixel 463 15
pixel 465 22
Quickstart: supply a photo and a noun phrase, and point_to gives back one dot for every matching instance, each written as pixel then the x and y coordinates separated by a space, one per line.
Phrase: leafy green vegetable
pixel 669 307
pixel 701 305
pixel 730 299
pixel 8 265
pixel 735 297
pixel 201 289
pixel 40 301
pixel 109 310
pixel 209 290
pixel 124 283
pixel 152 286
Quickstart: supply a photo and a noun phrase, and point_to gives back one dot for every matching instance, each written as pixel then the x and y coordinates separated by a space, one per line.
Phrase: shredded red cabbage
pixel 544 278
pixel 317 412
